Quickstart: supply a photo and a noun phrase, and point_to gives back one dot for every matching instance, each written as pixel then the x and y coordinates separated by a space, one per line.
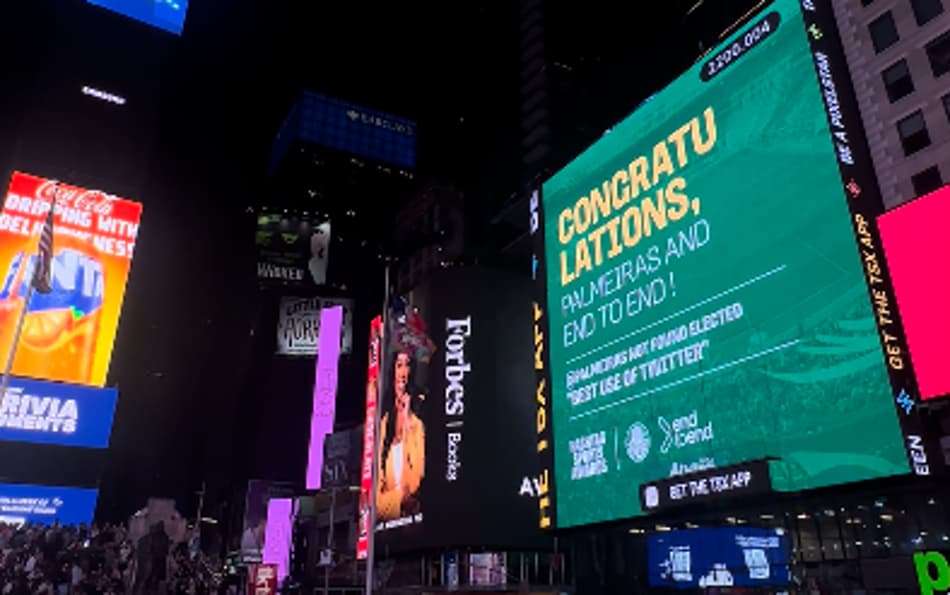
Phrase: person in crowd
pixel 98 560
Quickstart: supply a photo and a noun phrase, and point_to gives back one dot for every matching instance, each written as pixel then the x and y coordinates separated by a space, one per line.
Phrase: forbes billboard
pixel 55 413
pixel 457 454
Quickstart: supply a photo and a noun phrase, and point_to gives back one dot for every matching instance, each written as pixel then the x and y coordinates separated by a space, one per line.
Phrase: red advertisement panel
pixel 262 579
pixel 369 437
pixel 68 333
pixel 918 256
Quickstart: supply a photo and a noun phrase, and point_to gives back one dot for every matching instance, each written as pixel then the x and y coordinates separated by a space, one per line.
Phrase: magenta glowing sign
pixel 324 391
pixel 917 255
pixel 277 535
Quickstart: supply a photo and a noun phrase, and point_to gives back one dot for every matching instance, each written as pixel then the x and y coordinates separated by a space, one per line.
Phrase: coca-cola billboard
pixel 67 333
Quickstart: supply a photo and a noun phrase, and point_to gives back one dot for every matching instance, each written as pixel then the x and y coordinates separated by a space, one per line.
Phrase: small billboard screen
pixel 167 15
pixel 56 413
pixel 44 505
pixel 718 557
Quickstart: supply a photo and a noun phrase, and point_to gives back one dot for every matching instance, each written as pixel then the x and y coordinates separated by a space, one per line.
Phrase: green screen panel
pixel 706 297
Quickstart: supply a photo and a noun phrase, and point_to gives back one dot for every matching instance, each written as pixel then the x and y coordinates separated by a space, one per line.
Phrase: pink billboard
pixel 324 391
pixel 918 256
pixel 278 535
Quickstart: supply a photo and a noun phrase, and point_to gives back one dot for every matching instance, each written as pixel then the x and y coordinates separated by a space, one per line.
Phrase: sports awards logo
pixel 637 442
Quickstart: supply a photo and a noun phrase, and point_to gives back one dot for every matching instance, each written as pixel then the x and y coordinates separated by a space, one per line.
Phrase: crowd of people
pixel 100 560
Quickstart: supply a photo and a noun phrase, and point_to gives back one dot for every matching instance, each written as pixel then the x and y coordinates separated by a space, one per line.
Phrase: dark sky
pixel 193 141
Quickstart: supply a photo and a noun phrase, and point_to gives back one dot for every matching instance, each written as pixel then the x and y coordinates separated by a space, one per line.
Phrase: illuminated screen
pixel 68 333
pixel 55 413
pixel 916 252
pixel 704 283
pixel 324 392
pixel 278 535
pixel 722 557
pixel 455 430
pixel 168 15
pixel 45 505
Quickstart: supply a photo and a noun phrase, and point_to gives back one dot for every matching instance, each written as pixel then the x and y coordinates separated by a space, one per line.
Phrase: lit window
pixel 883 32
pixel 913 133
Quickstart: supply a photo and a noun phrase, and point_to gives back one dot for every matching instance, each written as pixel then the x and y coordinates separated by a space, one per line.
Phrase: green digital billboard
pixel 706 285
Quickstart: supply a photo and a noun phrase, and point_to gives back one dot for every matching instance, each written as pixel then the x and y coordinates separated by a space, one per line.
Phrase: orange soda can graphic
pixel 60 328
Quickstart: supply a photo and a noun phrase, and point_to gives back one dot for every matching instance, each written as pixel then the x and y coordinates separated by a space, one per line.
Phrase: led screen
pixel 55 413
pixel 68 333
pixel 916 251
pixel 348 128
pixel 455 432
pixel 706 285
pixel 723 557
pixel 45 505
pixel 324 392
pixel 168 15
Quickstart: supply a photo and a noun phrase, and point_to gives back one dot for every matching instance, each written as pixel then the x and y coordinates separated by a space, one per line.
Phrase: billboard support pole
pixel 371 541
pixel 11 355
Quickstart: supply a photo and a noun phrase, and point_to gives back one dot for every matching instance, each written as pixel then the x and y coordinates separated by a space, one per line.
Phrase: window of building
pixel 913 132
pixel 883 32
pixel 938 52
pixel 926 181
pixel 897 81
pixel 946 105
pixel 926 10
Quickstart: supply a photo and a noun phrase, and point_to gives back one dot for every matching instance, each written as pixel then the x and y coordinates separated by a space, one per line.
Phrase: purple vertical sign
pixel 324 391
pixel 278 534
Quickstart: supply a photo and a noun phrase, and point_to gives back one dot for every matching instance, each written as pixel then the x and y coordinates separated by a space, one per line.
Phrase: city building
pixel 338 171
pixel 898 52
pixel 429 232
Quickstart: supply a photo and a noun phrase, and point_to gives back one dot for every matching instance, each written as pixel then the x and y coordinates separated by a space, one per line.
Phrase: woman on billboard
pixel 402 456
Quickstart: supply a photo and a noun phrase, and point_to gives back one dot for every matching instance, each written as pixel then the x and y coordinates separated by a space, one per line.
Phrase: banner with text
pixel 456 432
pixel 298 325
pixel 68 333
pixel 292 250
pixel 45 505
pixel 55 413
pixel 709 270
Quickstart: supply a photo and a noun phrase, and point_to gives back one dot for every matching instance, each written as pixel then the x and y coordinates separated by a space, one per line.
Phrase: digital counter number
pixel 753 36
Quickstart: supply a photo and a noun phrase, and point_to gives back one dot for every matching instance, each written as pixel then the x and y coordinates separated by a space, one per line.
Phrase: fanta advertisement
pixel 67 333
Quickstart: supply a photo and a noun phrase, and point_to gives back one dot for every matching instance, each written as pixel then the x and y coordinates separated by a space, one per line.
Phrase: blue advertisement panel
pixel 45 505
pixel 720 557
pixel 57 413
pixel 168 15
pixel 348 128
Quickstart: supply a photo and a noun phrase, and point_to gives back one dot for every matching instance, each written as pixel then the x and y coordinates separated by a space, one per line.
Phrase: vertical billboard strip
pixel 68 333
pixel 324 391
pixel 918 257
pixel 541 397
pixel 364 525
pixel 863 195
pixel 278 535
pixel 707 301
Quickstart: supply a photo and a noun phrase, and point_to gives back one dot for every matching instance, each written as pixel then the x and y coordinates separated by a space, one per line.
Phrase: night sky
pixel 193 142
